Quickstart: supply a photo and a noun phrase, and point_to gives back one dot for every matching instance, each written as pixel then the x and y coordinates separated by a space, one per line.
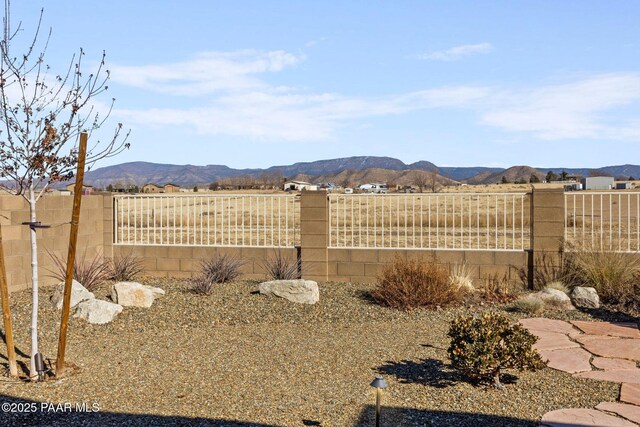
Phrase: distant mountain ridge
pixel 140 173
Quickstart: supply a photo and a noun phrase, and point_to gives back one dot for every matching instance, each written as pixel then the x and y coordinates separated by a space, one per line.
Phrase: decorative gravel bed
pixel 239 358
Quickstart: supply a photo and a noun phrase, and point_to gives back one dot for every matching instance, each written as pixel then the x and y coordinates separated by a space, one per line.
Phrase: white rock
pixel 554 297
pixel 97 311
pixel 299 291
pixel 78 294
pixel 134 294
pixel 585 297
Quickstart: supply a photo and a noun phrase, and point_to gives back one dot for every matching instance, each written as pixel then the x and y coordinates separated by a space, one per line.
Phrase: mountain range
pixel 357 169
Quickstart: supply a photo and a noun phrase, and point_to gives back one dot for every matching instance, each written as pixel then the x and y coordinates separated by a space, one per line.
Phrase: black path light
pixel 40 367
pixel 379 384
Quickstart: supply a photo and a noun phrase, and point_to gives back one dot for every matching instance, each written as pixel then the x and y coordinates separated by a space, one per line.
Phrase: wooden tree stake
pixel 6 313
pixel 71 257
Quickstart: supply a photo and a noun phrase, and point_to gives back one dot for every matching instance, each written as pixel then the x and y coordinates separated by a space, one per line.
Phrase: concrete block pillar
pixel 547 227
pixel 314 234
pixel 108 224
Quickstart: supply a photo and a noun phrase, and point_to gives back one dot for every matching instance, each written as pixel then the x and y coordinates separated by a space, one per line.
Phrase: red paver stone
pixel 583 418
pixel 621 348
pixel 630 412
pixel 610 364
pixel 549 325
pixel 570 360
pixel 621 376
pixel 583 338
pixel 553 341
pixel 626 330
pixel 630 393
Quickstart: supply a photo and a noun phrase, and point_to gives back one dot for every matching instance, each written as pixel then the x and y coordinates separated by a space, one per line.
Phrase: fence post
pixel 547 228
pixel 314 234
pixel 108 220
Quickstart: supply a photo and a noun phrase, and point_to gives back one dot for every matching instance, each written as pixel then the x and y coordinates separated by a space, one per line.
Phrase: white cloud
pixel 234 98
pixel 295 116
pixel 206 73
pixel 573 110
pixel 456 53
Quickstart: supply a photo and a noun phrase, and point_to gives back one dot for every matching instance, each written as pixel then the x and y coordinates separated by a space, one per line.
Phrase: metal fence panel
pixel 207 220
pixel 480 221
pixel 610 220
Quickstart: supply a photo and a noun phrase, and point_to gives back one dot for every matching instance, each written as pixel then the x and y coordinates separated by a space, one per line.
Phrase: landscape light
pixel 379 383
pixel 40 368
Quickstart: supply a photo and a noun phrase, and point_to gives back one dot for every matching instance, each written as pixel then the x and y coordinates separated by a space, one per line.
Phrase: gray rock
pixel 97 311
pixel 299 291
pixel 134 294
pixel 585 297
pixel 78 294
pixel 554 297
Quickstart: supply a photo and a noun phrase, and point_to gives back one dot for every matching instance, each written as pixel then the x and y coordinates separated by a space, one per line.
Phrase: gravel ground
pixel 239 358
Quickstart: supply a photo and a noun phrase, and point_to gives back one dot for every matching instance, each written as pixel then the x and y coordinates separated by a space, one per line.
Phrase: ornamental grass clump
pixel 409 284
pixel 125 268
pixel 218 269
pixel 483 345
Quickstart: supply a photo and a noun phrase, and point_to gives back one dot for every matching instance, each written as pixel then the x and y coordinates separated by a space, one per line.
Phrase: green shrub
pixel 218 269
pixel 483 345
pixel 409 284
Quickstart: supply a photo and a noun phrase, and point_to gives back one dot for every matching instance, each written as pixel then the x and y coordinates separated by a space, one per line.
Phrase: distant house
pixel 152 188
pixel 623 186
pixel 374 187
pixel 171 188
pixel 299 186
pixel 597 183
pixel 86 189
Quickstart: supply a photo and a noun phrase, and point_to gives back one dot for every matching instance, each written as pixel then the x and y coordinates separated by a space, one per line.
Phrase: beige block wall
pixel 56 212
pixel 185 261
pixel 363 265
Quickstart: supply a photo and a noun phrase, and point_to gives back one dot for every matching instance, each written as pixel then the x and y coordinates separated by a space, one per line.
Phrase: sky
pixel 253 84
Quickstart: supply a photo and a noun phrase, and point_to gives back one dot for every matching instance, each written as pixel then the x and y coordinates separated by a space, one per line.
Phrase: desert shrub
pixel 461 277
pixel 497 288
pixel 90 272
pixel 528 305
pixel 218 269
pixel 124 267
pixel 282 267
pixel 549 268
pixel 558 286
pixel 484 345
pixel 613 274
pixel 408 284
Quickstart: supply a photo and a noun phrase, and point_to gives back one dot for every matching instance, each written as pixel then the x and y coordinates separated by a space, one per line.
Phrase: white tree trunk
pixel 34 284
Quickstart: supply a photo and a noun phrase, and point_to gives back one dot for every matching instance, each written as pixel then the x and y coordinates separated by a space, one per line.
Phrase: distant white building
pixel 597 183
pixel 374 187
pixel 299 186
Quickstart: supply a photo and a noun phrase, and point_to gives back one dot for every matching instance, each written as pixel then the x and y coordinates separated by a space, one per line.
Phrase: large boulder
pixel 585 297
pixel 134 294
pixel 78 294
pixel 554 297
pixel 299 291
pixel 97 311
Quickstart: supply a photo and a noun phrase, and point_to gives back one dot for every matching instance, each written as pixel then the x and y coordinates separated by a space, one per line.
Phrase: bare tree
pixel 42 115
pixel 420 179
pixel 432 181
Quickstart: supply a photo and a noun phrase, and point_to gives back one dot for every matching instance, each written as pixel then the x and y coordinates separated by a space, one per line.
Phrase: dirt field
pixel 236 358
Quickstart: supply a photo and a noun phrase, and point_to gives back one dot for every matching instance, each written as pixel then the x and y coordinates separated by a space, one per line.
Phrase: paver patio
pixel 598 350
